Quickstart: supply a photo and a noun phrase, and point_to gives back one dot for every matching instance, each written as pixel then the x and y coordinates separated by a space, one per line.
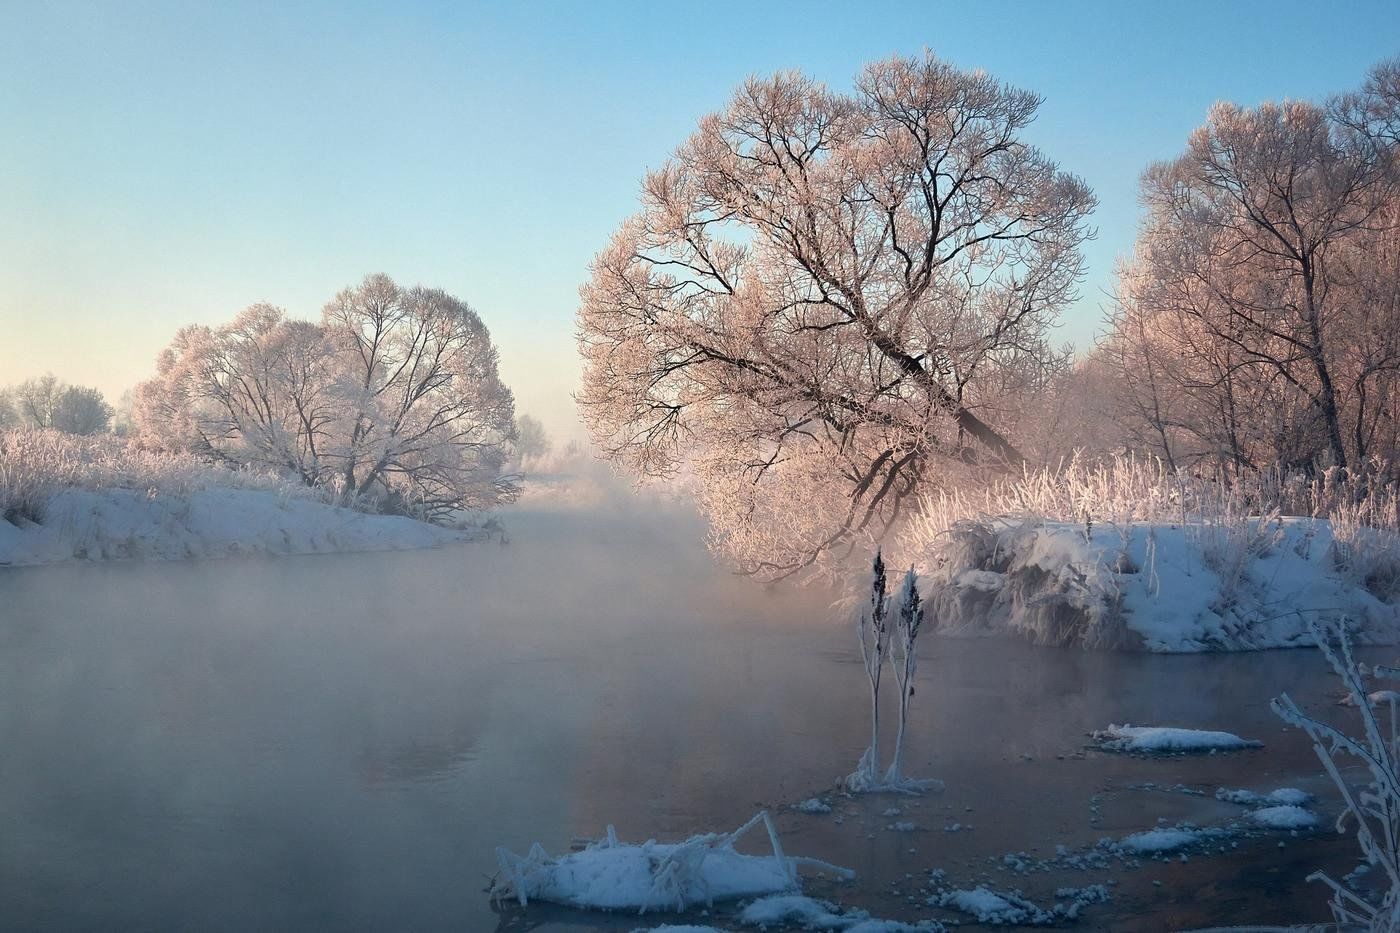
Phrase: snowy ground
pixel 123 524
pixel 1156 586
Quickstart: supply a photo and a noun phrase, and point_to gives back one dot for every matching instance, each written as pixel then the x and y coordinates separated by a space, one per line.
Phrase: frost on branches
pixel 392 400
pixel 825 297
pixel 894 639
pixel 1373 809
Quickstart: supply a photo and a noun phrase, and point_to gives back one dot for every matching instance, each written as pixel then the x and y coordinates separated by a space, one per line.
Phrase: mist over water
pixel 341 742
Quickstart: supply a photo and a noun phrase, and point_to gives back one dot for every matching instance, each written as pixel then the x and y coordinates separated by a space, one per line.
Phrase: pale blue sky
pixel 167 163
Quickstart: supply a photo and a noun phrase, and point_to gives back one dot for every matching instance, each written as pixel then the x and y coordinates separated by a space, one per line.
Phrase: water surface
pixel 341 742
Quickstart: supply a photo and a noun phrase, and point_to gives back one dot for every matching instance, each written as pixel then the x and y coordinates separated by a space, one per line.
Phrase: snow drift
pixel 1157 586
pixel 120 524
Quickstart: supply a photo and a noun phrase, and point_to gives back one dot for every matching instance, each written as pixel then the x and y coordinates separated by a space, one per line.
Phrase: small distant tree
pixel 81 410
pixel 531 440
pixel 36 400
pixel 8 417
pixel 47 402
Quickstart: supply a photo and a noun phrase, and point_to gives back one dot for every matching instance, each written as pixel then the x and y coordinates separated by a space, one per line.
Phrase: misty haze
pixel 868 467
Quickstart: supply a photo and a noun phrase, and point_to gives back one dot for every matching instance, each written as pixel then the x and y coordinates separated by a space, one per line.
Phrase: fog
pixel 341 742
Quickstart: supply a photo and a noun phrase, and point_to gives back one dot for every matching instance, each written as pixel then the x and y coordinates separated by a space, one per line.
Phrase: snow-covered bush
pixel 1373 809
pixel 35 464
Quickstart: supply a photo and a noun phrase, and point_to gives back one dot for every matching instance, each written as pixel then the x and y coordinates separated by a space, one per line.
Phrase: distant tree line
pixel 46 402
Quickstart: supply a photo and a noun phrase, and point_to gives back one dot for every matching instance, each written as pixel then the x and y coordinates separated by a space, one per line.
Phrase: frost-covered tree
pixel 8 417
pixel 47 402
pixel 531 439
pixel 81 410
pixel 826 298
pixel 429 419
pixel 36 400
pixel 393 398
pixel 1259 319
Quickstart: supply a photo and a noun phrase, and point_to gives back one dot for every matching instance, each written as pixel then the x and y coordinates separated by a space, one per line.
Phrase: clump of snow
pixel 905 826
pixel 1161 739
pixel 814 805
pixel 1290 796
pixel 610 875
pixel 812 914
pixel 1009 908
pixel 122 524
pixel 1284 817
pixel 989 906
pixel 1155 841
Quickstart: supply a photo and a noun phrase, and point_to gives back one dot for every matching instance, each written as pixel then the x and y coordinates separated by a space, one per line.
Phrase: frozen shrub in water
pixel 873 634
pixel 882 637
pixel 1373 809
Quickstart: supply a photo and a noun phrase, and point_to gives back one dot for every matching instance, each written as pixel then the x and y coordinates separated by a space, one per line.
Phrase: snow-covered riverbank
pixel 1161 586
pixel 124 524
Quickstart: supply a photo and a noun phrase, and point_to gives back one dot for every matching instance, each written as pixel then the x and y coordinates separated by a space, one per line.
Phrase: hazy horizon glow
pixel 165 165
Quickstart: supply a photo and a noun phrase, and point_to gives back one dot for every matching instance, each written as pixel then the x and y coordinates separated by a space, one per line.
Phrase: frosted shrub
pixel 1373 809
pixel 36 464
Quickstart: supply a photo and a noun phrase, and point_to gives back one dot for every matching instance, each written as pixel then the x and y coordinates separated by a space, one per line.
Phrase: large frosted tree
pixel 394 397
pixel 827 298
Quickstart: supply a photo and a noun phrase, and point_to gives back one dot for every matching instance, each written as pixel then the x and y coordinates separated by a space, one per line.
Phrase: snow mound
pixel 1155 841
pixel 1289 796
pixel 609 875
pixel 1166 740
pixel 1284 817
pixel 1159 586
pixel 814 805
pixel 127 524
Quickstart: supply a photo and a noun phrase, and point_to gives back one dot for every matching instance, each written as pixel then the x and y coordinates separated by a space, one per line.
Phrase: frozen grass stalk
pixel 1373 808
pixel 904 660
pixel 873 634
pixel 893 636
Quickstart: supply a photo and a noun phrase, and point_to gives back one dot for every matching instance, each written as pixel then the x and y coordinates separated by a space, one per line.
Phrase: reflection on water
pixel 341 742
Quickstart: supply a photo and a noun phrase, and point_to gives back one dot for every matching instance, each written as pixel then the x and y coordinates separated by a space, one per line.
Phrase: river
pixel 340 742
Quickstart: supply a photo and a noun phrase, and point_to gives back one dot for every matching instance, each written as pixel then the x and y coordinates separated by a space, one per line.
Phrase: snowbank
pixel 1153 585
pixel 1165 740
pixel 122 524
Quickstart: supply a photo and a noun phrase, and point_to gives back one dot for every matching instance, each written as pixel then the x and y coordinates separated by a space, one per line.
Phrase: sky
pixel 163 164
